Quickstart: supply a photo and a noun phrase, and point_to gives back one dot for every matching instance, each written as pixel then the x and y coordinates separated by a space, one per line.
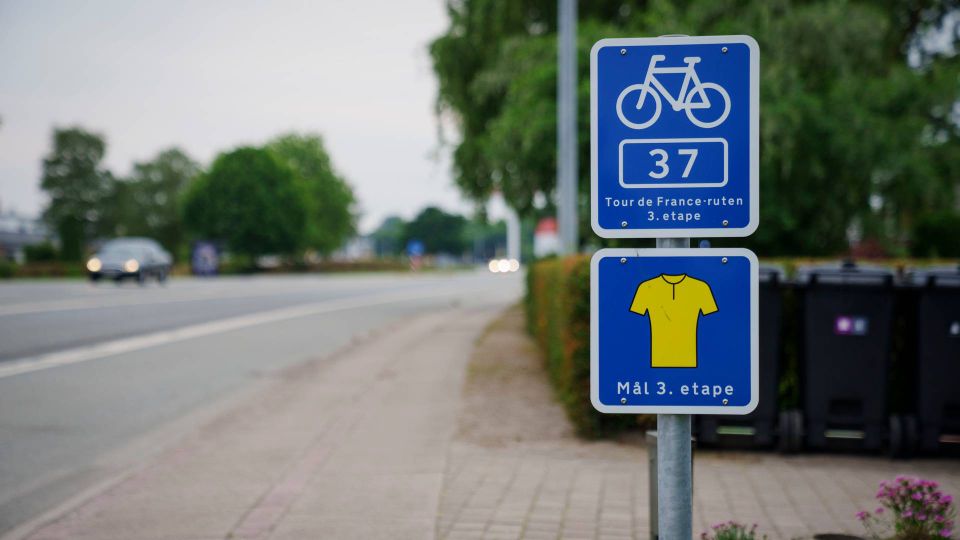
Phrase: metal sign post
pixel 674 460
pixel 674 477
pixel 567 125
pixel 674 153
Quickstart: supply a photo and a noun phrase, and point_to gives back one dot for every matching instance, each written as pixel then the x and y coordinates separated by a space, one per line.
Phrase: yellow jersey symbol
pixel 673 304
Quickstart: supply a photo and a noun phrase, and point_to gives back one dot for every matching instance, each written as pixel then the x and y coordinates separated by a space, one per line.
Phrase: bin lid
pixel 845 273
pixel 770 273
pixel 934 276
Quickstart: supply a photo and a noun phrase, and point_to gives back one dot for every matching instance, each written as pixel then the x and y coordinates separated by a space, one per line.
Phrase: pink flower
pixel 946 499
pixel 862 515
pixel 946 533
pixel 907 513
pixel 921 517
pixel 917 496
pixel 879 510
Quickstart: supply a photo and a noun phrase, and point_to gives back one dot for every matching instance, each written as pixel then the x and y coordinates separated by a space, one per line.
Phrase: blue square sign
pixel 675 136
pixel 674 331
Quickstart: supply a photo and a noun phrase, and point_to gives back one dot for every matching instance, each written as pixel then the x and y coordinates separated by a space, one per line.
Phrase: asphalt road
pixel 94 378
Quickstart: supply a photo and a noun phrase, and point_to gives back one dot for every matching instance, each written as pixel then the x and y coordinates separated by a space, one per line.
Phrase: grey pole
pixel 567 125
pixel 674 469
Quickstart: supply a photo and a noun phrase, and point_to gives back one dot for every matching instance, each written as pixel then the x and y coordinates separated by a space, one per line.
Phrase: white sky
pixel 208 76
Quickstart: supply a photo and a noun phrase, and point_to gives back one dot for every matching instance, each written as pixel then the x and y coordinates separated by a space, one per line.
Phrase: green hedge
pixel 48 269
pixel 558 317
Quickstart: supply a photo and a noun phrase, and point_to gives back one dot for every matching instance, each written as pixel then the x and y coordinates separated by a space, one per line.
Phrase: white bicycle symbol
pixel 685 100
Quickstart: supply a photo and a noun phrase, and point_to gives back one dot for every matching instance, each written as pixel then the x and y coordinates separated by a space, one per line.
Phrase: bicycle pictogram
pixel 693 95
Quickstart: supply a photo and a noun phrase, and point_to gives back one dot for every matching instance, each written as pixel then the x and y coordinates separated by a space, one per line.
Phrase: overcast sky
pixel 208 76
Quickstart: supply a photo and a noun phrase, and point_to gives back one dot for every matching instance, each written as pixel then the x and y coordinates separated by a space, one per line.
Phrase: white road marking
pixel 92 352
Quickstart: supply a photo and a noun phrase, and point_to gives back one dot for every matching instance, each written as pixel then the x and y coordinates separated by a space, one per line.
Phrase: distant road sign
pixel 674 331
pixel 415 248
pixel 675 136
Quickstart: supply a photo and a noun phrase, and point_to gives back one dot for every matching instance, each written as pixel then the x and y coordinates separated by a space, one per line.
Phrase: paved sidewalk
pixel 516 471
pixel 346 447
pixel 599 491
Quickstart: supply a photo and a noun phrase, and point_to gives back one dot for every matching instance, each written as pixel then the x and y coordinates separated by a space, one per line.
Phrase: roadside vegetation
pixel 284 198
pixel 859 138
pixel 558 317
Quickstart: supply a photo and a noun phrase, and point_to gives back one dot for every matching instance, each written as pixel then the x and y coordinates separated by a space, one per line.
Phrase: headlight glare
pixel 131 266
pixel 94 265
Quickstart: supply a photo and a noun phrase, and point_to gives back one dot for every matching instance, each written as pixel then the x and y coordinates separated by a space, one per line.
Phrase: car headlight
pixel 94 265
pixel 131 266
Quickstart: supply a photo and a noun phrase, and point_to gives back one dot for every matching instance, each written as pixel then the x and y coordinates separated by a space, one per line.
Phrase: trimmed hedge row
pixel 558 317
pixel 40 269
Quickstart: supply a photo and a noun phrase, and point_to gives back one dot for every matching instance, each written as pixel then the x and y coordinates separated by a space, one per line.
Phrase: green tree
pixel 330 205
pixel 389 237
pixel 936 235
pixel 251 201
pixel 440 232
pixel 155 188
pixel 484 63
pixel 484 238
pixel 78 186
pixel 857 123
pixel 117 212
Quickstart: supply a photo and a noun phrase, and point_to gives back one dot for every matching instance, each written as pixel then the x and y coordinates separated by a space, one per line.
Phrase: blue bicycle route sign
pixel 674 331
pixel 675 136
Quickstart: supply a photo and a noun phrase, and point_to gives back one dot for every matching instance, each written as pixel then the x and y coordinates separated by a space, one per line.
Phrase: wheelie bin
pixel 847 327
pixel 934 353
pixel 756 429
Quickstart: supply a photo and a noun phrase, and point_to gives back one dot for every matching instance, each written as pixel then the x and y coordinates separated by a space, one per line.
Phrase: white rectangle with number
pixel 673 163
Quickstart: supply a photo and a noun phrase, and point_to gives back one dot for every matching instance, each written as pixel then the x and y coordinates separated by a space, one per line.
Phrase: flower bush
pixel 731 530
pixel 910 509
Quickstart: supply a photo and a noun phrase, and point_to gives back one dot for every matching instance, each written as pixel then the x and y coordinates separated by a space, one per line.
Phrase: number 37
pixel 662 157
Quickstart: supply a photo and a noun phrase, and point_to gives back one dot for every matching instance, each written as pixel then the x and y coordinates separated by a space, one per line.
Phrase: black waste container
pixel 757 428
pixel 935 351
pixel 847 327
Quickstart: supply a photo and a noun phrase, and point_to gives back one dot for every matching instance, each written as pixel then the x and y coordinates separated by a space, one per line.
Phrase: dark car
pixel 137 258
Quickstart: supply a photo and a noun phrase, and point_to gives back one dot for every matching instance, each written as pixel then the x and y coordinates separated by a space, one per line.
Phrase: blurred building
pixel 358 248
pixel 546 238
pixel 17 232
